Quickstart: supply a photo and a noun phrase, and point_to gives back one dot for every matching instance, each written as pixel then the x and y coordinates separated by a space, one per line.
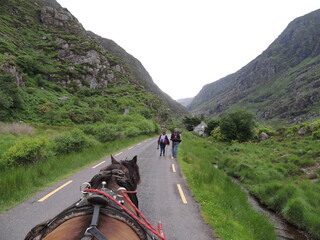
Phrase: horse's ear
pixel 114 161
pixel 135 159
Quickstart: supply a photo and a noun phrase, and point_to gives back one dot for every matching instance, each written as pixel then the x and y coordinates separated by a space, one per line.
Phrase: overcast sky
pixel 185 44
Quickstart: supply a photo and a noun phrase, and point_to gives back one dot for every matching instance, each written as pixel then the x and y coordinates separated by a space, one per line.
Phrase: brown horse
pixel 94 216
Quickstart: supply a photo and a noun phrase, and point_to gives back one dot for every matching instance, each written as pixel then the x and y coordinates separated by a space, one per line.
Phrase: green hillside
pixel 280 86
pixel 53 72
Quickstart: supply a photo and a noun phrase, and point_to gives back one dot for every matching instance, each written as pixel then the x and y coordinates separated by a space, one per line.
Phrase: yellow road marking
pixel 184 200
pixel 98 164
pixel 54 191
pixel 118 154
pixel 130 148
pixel 173 168
pixel 138 144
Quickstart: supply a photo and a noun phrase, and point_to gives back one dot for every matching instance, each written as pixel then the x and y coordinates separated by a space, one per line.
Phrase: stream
pixel 284 230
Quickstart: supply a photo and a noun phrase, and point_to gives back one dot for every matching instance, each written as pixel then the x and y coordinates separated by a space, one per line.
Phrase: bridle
pixel 99 199
pixel 104 197
pixel 108 196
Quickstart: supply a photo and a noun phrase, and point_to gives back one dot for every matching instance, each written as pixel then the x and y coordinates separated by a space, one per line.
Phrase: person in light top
pixel 163 141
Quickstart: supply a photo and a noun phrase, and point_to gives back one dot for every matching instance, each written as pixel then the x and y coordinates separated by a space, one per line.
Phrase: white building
pixel 200 129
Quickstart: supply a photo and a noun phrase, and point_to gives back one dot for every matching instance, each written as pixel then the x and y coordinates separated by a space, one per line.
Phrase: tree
pixel 237 126
pixel 191 122
pixel 10 96
pixel 211 126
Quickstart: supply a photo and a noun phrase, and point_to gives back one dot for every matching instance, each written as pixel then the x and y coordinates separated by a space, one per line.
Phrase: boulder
pixel 263 136
pixel 302 131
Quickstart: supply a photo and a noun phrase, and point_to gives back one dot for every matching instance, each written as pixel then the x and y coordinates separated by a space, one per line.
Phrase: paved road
pixel 158 193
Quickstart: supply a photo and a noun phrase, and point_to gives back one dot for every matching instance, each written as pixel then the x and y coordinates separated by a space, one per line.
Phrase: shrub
pixel 121 126
pixel 132 131
pixel 107 132
pixel 216 134
pixel 25 151
pixel 316 134
pixel 266 130
pixel 191 122
pixel 10 96
pixel 145 126
pixel 237 126
pixel 72 141
pixel 213 124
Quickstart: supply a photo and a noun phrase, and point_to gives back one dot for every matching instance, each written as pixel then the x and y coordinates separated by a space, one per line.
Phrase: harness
pixel 98 201
pixel 106 202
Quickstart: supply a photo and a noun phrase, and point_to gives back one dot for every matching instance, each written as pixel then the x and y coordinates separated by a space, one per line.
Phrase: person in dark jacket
pixel 163 141
pixel 176 139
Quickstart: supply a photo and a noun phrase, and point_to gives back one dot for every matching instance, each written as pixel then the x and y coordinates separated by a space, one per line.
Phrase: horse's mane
pixel 134 172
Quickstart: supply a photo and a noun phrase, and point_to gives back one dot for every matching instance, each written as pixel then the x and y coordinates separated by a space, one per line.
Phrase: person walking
pixel 163 141
pixel 176 139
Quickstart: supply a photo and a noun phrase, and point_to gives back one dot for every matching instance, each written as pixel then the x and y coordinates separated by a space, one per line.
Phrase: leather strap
pixel 93 231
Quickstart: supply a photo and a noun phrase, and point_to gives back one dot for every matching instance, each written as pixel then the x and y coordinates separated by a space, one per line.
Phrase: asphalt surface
pixel 158 194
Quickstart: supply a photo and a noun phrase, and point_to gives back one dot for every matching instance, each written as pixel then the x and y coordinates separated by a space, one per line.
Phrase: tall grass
pixel 223 204
pixel 16 129
pixel 6 141
pixel 275 171
pixel 20 183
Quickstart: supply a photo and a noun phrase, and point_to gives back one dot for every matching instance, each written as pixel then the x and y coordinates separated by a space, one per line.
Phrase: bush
pixel 266 130
pixel 10 96
pixel 213 124
pixel 107 132
pixel 132 131
pixel 121 126
pixel 237 126
pixel 191 122
pixel 145 126
pixel 216 134
pixel 316 134
pixel 73 141
pixel 25 151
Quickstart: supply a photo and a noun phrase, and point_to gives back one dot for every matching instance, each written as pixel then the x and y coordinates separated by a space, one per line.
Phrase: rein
pixel 108 201
pixel 145 223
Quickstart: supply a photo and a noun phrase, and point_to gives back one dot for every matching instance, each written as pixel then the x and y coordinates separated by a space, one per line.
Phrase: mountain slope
pixel 185 101
pixel 282 84
pixel 52 71
pixel 140 73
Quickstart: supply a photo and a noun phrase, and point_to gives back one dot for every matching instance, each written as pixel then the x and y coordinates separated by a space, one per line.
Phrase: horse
pixel 108 220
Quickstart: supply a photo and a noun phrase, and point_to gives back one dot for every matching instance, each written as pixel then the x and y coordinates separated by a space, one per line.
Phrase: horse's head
pixel 125 173
pixel 130 169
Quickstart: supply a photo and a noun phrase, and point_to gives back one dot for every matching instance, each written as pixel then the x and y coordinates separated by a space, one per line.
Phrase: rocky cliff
pixel 282 84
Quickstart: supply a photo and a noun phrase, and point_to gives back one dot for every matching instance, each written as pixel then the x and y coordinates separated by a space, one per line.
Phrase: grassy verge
pixel 283 173
pixel 223 204
pixel 20 183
